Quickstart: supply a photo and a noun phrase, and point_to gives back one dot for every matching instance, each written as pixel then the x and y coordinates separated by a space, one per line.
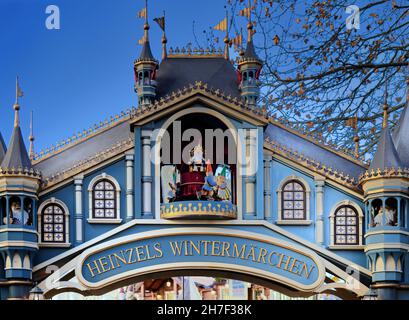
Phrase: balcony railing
pixel 207 210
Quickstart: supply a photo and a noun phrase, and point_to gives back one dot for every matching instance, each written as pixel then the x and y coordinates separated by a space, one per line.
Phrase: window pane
pixel 293 201
pixel 52 223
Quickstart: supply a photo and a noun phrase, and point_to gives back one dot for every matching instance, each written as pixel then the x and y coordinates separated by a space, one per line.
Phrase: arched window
pixel 104 200
pixel 346 226
pixel 293 195
pixel 53 218
pixel 293 201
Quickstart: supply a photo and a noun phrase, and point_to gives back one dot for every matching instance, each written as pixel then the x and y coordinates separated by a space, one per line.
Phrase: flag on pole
pixel 141 41
pixel 221 26
pixel 161 22
pixel 19 92
pixel 142 13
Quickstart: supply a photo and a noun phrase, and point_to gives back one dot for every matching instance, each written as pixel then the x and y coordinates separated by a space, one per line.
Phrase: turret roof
pixel 386 155
pixel 3 148
pixel 16 155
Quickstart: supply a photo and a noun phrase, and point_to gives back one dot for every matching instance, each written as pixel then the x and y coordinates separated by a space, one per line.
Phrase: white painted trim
pixel 332 223
pixel 91 186
pixel 346 247
pixel 386 231
pixel 66 218
pixel 263 223
pixel 378 246
pixel 13 243
pixel 294 222
pixel 279 191
pixel 54 245
pixel 104 221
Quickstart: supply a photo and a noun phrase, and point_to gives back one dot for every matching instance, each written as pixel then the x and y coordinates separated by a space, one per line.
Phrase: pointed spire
pixel 3 148
pixel 386 155
pixel 16 155
pixel 385 107
pixel 250 52
pixel 146 52
pixel 401 133
pixel 31 138
pixel 226 38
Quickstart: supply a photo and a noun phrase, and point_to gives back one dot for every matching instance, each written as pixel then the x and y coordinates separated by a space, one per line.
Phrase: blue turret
pixel 249 68
pixel 145 70
pixel 19 184
pixel 386 192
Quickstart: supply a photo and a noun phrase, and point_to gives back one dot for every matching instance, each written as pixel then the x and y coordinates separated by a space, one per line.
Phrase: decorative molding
pixel 195 53
pixel 279 191
pixel 66 222
pixel 82 136
pixel 315 166
pixel 85 164
pixel 332 223
pixel 384 174
pixel 91 186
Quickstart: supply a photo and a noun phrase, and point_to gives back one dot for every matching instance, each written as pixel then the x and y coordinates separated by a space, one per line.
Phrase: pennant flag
pixel 161 22
pixel 238 40
pixel 221 26
pixel 246 12
pixel 19 92
pixel 141 41
pixel 142 13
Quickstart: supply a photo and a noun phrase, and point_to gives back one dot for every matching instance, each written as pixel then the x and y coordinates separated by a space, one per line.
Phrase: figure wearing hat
pixel 209 185
pixel 222 191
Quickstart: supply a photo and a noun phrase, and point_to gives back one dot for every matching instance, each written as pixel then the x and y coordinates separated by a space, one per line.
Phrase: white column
pixel 129 158
pixel 319 210
pixel 79 214
pixel 251 169
pixel 267 186
pixel 146 173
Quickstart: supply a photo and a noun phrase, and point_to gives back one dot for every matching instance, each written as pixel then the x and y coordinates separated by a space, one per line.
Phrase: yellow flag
pixel 221 26
pixel 142 13
pixel 246 12
pixel 238 40
pixel 142 40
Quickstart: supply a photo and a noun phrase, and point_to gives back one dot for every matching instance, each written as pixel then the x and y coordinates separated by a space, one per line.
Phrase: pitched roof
pixel 314 151
pixel 3 148
pixel 386 155
pixel 176 73
pixel 250 52
pixel 400 137
pixel 16 155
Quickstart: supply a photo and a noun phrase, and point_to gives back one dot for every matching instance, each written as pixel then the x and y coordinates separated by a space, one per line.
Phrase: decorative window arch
pixel 293 195
pixel 104 195
pixel 346 225
pixel 53 223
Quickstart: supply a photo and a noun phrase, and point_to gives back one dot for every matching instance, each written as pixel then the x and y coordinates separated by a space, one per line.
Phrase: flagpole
pixel 226 39
pixel 164 40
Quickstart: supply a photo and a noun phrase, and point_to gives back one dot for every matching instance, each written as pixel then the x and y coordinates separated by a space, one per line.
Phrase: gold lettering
pixel 262 255
pixel 158 250
pixel 287 261
pixel 139 254
pixel 236 250
pixel 112 263
pixel 91 270
pixel 148 254
pixel 225 249
pixel 206 243
pixel 294 266
pixel 130 255
pixel 103 262
pixel 269 258
pixel 215 247
pixel 196 248
pixel 122 259
pixel 307 272
pixel 252 254
pixel 176 248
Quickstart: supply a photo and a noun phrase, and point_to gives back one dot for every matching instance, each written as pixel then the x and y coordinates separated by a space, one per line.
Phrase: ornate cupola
pixel 145 69
pixel 249 69
pixel 386 197
pixel 19 185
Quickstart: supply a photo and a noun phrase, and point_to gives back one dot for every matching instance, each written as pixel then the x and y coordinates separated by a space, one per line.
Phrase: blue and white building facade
pixel 109 207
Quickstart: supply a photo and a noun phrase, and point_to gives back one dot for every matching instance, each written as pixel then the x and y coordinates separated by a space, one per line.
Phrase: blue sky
pixel 81 74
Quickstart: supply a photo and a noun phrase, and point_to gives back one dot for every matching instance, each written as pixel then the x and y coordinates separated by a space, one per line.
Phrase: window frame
pixel 280 202
pixel 359 215
pixel 66 231
pixel 117 200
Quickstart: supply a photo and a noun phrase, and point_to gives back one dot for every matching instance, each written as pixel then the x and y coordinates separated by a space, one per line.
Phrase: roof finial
pixel 249 25
pixel 146 25
pixel 385 107
pixel 16 106
pixel 226 38
pixel 164 39
pixel 31 137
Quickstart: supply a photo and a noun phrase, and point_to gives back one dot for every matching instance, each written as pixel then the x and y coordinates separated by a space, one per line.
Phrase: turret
pixel 386 197
pixel 19 185
pixel 249 69
pixel 145 69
